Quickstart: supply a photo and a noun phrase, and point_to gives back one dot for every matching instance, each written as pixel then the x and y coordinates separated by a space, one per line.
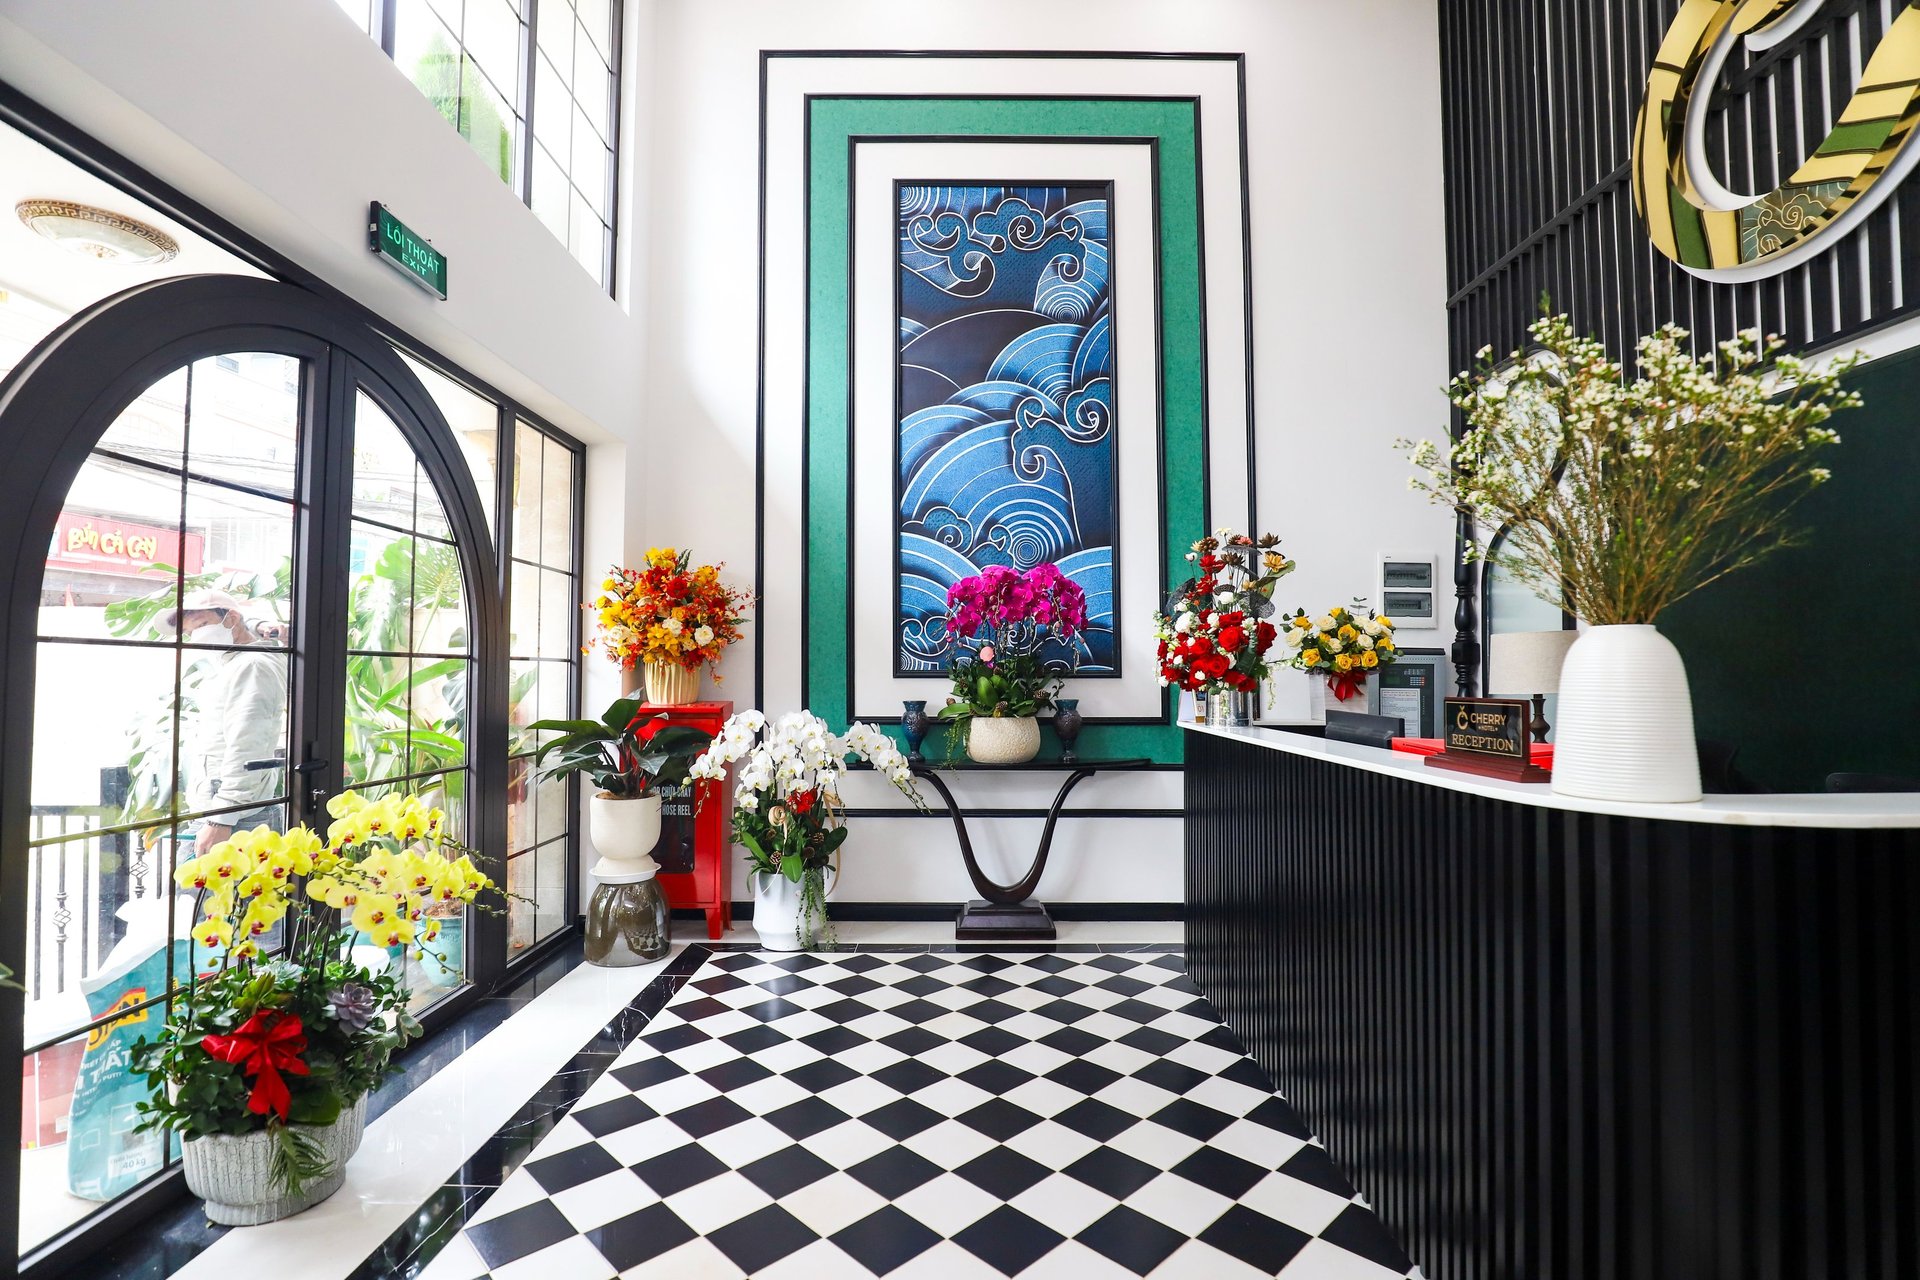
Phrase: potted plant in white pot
pixel 787 812
pixel 1621 496
pixel 264 1065
pixel 628 756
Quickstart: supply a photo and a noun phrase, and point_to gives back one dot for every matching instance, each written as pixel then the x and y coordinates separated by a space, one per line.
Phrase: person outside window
pixel 242 717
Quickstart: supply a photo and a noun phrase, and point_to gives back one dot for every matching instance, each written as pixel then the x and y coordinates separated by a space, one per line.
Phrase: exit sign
pixel 403 249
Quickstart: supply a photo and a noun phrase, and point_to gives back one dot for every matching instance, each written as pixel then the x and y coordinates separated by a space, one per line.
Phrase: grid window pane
pixel 551 127
pixel 487 120
pixel 591 84
pixel 476 425
pixel 428 52
pixel 523 611
pixel 520 909
pixel 589 166
pixel 543 617
pixel 556 506
pixel 551 888
pixel 527 480
pixel 474 60
pixel 558 608
pixel 596 18
pixel 554 29
pixel 491 36
pixel 587 238
pixel 550 191
pixel 160 723
pixel 246 412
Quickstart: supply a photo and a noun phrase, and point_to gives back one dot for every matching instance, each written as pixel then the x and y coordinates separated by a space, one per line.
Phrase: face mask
pixel 210 633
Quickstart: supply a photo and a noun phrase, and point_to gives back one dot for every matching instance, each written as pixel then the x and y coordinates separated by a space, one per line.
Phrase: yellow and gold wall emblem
pixel 1719 235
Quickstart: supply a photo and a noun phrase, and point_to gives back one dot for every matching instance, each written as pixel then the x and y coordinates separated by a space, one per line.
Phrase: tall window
pixel 543 619
pixel 252 596
pixel 532 86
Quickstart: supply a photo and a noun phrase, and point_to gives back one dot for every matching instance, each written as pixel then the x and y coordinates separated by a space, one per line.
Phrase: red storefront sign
pixel 102 544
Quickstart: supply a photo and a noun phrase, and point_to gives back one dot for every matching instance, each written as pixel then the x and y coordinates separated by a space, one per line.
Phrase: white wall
pixel 1349 308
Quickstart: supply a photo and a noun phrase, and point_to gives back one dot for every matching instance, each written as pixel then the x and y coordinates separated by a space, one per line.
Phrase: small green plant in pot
pixel 629 757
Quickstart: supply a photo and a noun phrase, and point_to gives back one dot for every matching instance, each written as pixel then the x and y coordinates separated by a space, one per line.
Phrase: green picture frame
pixel 835 126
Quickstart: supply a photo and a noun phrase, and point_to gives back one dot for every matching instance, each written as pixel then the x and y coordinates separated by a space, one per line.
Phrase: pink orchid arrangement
pixel 1042 600
pixel 1011 615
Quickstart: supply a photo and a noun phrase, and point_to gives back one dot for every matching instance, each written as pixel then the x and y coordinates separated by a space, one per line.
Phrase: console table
pixel 1003 912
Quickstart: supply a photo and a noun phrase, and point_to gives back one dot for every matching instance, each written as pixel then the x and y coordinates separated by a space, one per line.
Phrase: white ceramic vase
pixel 624 832
pixel 1003 739
pixel 233 1174
pixel 1625 725
pixel 1365 696
pixel 776 911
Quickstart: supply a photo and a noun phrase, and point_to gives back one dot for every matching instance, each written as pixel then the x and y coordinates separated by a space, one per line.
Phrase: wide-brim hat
pixel 202 600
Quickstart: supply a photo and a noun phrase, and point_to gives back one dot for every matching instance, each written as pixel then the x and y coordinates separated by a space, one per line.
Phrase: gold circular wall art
pixel 1719 235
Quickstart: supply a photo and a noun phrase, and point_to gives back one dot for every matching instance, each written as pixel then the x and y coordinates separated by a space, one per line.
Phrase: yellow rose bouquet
pixel 1341 645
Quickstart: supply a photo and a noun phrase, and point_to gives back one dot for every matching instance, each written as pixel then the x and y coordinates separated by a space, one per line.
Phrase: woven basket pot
pixel 672 686
pixel 233 1174
pixel 1003 739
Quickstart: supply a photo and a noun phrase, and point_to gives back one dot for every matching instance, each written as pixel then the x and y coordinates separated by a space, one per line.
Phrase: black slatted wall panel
pixel 1540 99
pixel 1553 1046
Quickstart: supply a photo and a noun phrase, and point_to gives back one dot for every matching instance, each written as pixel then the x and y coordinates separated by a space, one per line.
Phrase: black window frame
pixel 384 18
pixel 62 1253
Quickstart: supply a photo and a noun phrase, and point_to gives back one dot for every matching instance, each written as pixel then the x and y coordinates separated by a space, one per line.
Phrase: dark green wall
pixel 1807 661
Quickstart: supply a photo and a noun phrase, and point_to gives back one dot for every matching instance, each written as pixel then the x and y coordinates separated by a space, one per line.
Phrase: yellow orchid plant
pixel 383 863
pixel 286 1022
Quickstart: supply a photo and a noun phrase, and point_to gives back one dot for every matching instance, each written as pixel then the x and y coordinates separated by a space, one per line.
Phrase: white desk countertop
pixel 1884 810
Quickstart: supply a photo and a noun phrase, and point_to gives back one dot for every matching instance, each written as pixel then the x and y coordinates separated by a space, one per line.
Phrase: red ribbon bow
pixel 265 1045
pixel 1346 684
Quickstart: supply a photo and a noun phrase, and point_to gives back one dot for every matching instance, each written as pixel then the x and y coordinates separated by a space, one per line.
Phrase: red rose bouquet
pixel 1215 634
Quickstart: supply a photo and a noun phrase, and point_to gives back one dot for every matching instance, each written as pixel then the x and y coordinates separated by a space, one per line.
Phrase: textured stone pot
pixel 672 686
pixel 1003 739
pixel 234 1175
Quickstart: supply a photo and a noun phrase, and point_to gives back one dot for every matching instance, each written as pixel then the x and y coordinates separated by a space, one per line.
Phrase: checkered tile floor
pixel 930 1115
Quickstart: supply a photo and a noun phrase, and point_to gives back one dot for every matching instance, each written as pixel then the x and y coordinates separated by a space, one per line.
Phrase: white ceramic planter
pixel 776 911
pixel 624 832
pixel 1625 724
pixel 1003 739
pixel 233 1174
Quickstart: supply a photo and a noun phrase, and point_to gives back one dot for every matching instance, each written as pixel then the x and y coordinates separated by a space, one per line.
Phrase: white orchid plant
pixel 787 811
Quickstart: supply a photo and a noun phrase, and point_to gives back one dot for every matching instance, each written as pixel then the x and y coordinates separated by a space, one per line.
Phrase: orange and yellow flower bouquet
pixel 669 613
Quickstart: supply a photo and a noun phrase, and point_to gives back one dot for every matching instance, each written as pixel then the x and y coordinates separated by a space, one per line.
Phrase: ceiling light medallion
pixel 97 233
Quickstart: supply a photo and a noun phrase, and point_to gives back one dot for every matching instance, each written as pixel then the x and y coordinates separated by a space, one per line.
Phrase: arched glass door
pixel 258 575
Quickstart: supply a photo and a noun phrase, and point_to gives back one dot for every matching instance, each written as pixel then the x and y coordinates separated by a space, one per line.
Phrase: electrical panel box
pixel 1410 591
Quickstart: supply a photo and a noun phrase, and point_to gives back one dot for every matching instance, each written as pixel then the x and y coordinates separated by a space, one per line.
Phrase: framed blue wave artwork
pixel 1004 395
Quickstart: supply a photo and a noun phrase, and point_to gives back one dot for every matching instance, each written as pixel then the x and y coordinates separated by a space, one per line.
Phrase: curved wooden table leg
pixel 1013 895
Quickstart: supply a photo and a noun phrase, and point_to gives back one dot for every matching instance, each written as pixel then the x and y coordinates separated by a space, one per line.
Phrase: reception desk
pixel 1555 1039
